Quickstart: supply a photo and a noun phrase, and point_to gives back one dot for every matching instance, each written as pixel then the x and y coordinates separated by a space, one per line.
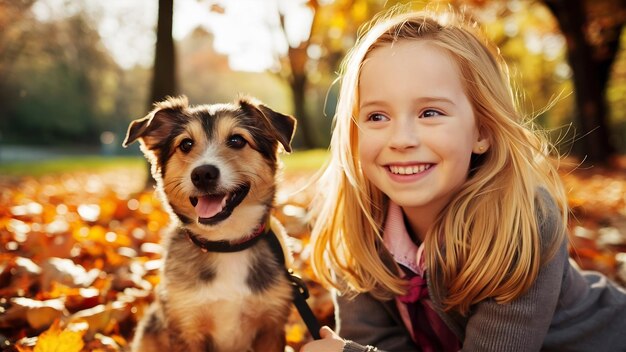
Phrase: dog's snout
pixel 204 176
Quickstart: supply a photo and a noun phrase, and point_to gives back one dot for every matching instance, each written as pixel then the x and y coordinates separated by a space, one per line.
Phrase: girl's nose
pixel 405 135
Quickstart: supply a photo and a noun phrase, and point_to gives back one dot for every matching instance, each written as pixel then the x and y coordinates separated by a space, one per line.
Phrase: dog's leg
pixel 205 345
pixel 151 334
pixel 180 343
pixel 270 340
pixel 154 334
pixel 189 339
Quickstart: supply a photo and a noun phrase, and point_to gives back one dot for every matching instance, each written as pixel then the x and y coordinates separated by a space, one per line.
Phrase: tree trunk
pixel 298 79
pixel 164 71
pixel 590 77
pixel 298 83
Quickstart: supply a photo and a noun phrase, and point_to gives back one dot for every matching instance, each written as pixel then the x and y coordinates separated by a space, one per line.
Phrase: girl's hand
pixel 330 342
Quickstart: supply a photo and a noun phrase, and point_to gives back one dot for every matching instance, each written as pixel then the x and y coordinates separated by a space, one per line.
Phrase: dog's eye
pixel 186 145
pixel 236 141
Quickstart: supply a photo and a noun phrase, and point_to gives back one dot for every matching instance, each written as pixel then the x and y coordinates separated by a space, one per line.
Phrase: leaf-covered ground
pixel 79 252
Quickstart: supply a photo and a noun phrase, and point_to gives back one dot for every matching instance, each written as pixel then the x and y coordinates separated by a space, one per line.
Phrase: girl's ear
pixel 482 144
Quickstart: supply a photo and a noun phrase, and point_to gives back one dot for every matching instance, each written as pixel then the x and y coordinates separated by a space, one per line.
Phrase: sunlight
pixel 248 31
pixel 127 28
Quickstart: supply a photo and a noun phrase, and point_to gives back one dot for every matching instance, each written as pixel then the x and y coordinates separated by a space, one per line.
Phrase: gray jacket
pixel 564 310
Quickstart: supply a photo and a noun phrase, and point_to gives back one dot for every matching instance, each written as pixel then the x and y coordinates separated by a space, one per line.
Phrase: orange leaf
pixel 295 333
pixel 57 340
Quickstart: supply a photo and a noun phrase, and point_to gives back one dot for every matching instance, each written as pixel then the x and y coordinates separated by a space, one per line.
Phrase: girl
pixel 442 225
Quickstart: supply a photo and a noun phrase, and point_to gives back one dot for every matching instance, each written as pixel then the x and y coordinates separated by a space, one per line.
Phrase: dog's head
pixel 215 162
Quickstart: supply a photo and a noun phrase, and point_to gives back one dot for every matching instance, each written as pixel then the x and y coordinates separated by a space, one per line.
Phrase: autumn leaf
pixel 56 339
pixel 295 333
pixel 38 314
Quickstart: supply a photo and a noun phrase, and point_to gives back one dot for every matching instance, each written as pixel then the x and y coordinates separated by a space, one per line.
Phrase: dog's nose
pixel 204 176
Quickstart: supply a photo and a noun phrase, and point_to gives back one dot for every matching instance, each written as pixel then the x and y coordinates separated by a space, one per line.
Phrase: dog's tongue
pixel 208 206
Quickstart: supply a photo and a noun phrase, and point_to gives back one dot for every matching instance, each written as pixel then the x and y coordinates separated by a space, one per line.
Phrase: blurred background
pixel 79 229
pixel 74 73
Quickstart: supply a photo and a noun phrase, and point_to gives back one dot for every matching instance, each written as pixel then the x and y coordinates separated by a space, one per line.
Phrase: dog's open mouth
pixel 213 208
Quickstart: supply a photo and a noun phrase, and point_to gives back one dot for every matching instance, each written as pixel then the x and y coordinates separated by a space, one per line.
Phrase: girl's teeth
pixel 408 170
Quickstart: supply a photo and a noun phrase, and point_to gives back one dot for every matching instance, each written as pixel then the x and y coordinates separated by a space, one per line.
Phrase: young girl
pixel 442 224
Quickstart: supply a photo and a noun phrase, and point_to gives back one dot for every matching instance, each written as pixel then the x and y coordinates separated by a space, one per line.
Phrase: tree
pixel 14 16
pixel 164 82
pixel 592 30
pixel 305 63
pixel 58 83
pixel 297 79
pixel 333 31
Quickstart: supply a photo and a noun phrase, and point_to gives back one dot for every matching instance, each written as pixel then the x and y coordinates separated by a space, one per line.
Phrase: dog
pixel 216 169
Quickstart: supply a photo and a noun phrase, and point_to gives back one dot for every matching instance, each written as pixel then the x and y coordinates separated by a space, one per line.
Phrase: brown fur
pixel 215 302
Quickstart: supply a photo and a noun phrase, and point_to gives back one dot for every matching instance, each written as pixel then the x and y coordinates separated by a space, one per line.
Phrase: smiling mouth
pixel 408 170
pixel 213 208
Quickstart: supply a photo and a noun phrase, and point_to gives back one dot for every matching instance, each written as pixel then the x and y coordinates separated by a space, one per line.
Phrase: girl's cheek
pixel 373 136
pixel 370 143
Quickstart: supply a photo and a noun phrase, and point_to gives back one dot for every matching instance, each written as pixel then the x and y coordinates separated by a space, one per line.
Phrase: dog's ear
pixel 158 122
pixel 283 125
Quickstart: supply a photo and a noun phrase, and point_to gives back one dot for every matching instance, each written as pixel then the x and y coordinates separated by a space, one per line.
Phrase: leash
pixel 300 291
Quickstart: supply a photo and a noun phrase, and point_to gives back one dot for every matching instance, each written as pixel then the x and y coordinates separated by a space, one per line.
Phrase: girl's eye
pixel 377 117
pixel 430 113
pixel 236 141
pixel 186 145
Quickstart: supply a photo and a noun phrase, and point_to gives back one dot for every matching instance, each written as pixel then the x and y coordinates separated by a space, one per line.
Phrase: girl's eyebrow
pixel 420 100
pixel 435 99
pixel 371 103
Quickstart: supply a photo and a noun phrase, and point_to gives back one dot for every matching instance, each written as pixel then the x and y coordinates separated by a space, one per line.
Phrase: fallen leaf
pixel 38 314
pixel 56 339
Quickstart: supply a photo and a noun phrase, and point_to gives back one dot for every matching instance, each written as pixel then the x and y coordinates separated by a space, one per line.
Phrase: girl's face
pixel 417 129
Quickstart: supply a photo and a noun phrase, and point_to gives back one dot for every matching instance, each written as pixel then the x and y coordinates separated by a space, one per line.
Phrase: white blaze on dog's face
pixel 215 164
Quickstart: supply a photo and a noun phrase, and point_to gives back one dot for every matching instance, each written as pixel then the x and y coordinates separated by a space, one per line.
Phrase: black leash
pixel 300 291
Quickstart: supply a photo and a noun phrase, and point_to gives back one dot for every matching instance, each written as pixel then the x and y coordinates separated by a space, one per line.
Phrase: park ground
pixel 80 245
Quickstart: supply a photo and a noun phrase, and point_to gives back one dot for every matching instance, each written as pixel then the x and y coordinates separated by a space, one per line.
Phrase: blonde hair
pixel 486 242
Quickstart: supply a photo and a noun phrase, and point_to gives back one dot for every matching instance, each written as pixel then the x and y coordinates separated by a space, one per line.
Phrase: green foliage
pixel 59 90
pixel 48 109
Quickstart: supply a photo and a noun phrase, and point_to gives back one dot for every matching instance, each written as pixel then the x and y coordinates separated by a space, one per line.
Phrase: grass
pixel 68 164
pixel 305 160
pixel 298 161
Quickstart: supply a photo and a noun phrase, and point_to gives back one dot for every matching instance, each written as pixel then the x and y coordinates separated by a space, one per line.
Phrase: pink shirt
pixel 406 253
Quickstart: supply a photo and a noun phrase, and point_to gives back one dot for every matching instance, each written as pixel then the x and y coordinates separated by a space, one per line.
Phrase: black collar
pixel 228 246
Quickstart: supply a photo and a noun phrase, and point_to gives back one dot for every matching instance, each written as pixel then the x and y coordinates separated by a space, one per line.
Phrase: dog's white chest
pixel 223 299
pixel 229 284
